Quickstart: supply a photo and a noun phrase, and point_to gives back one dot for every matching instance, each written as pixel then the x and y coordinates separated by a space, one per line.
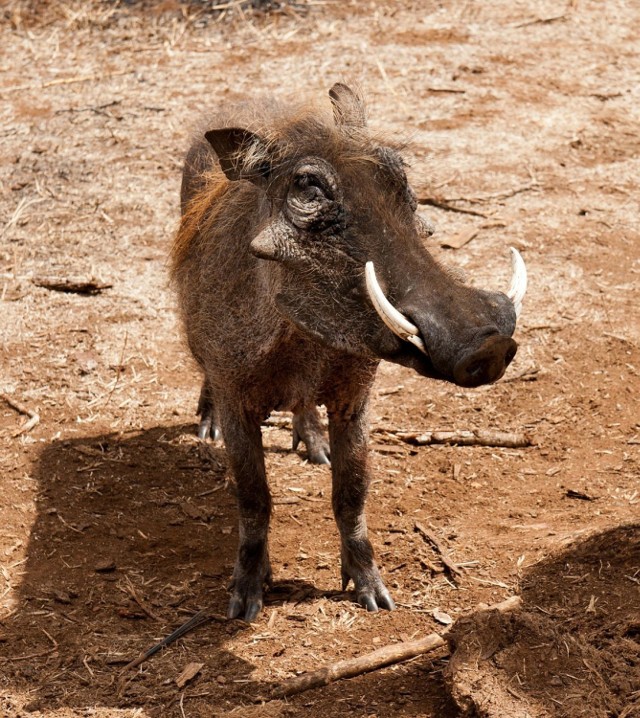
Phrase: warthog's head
pixel 353 271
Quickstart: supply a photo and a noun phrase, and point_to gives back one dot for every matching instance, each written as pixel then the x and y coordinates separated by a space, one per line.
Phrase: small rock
pixel 442 617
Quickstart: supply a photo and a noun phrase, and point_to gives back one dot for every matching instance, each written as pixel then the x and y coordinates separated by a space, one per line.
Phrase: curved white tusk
pixel 518 287
pixel 395 320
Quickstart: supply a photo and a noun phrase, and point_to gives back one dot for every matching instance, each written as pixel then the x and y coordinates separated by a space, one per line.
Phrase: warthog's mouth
pixel 485 364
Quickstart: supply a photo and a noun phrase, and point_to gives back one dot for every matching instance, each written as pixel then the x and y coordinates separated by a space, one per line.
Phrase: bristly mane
pixel 200 212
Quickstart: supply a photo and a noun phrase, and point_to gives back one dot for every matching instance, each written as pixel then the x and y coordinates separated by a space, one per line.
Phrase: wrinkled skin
pixel 269 266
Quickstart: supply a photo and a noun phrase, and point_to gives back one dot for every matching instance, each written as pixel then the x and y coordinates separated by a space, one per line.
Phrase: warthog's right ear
pixel 242 154
pixel 348 107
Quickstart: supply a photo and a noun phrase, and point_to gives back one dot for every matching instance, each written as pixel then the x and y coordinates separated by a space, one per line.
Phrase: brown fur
pixel 201 214
pixel 268 262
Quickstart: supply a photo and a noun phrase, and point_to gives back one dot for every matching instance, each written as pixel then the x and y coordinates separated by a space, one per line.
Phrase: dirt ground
pixel 116 524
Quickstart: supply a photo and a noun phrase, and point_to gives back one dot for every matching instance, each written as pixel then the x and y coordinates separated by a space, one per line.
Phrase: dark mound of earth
pixel 572 650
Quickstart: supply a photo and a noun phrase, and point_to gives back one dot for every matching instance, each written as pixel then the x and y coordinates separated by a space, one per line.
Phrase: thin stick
pixel 64 81
pixel 477 437
pixel 504 194
pixel 39 654
pixel 197 620
pixel 528 374
pixel 142 603
pixel 119 370
pixel 444 554
pixel 34 417
pixel 450 90
pixel 71 286
pixel 541 21
pixel 386 656
pixel 444 204
pixel 474 437
pixel 22 205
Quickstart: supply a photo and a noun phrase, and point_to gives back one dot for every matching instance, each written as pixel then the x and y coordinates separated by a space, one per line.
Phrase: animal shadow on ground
pixel 573 650
pixel 134 534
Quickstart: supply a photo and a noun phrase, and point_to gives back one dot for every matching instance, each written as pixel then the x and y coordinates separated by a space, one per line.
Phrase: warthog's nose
pixel 486 364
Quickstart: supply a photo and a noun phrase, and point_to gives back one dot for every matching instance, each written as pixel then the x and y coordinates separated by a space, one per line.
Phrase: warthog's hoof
pixel 307 428
pixel 371 593
pixel 246 593
pixel 207 428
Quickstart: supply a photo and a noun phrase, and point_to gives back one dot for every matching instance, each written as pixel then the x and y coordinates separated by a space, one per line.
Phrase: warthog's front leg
pixel 243 441
pixel 348 434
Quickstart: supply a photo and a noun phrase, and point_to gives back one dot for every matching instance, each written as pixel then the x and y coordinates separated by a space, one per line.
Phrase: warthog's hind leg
pixel 348 438
pixel 307 427
pixel 209 423
pixel 252 571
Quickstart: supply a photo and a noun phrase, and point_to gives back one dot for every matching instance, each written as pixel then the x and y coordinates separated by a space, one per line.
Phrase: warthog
pixel 299 265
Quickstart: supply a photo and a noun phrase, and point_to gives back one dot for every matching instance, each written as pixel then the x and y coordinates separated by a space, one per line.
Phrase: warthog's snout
pixel 451 331
pixel 485 364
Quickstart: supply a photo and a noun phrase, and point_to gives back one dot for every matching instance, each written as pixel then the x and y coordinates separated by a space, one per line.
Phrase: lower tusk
pixel 417 342
pixel 395 320
pixel 518 287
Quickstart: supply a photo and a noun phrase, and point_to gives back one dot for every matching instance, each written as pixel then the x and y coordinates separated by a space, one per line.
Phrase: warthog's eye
pixel 313 200
pixel 311 187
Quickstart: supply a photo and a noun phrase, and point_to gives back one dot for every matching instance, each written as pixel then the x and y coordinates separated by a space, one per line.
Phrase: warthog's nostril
pixel 511 352
pixel 487 363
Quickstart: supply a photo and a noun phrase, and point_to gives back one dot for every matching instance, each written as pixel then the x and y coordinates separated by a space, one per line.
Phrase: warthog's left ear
pixel 242 154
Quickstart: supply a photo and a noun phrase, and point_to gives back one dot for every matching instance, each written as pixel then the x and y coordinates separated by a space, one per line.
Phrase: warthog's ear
pixel 242 154
pixel 348 107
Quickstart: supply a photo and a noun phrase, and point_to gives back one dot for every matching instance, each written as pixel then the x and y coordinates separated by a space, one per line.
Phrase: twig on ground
pixel 39 654
pixel 98 109
pixel 474 437
pixel 141 602
pixel 196 620
pixel 529 374
pixel 119 369
pixel 386 656
pixel 504 194
pixel 453 569
pixel 425 563
pixel 449 90
pixel 71 286
pixel 541 21
pixel 64 81
pixel 15 217
pixel 444 204
pixel 573 494
pixel 34 417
